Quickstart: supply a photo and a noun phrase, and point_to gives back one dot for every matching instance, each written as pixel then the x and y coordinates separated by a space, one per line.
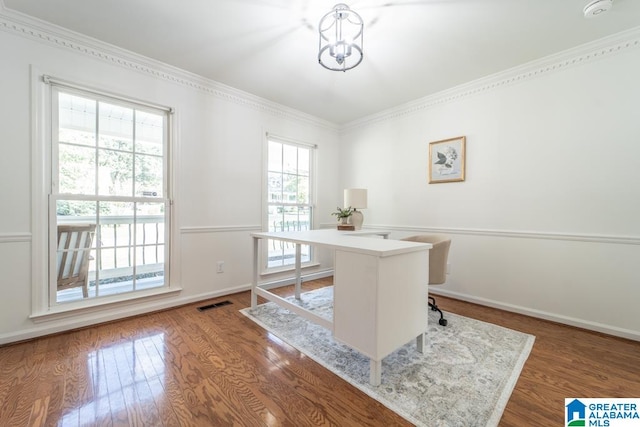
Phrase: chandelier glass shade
pixel 340 39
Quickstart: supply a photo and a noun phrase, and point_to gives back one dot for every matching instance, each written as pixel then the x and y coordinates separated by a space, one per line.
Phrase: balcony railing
pixel 283 253
pixel 118 245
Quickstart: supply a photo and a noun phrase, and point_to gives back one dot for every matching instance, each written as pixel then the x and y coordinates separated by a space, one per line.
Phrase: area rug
pixel 464 378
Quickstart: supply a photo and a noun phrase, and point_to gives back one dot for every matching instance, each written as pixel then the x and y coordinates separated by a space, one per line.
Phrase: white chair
pixel 438 256
pixel 74 251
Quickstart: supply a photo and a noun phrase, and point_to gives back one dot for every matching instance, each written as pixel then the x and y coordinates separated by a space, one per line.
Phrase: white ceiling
pixel 413 48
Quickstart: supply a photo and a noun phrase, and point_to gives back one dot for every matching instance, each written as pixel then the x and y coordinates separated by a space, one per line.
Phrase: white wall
pixel 547 221
pixel 219 160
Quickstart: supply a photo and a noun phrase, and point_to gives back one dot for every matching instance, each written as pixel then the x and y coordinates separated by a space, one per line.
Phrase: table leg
pixel 254 279
pixel 420 342
pixel 375 372
pixel 298 270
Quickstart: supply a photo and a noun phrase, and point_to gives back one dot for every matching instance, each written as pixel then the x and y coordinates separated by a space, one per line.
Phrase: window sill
pixel 69 310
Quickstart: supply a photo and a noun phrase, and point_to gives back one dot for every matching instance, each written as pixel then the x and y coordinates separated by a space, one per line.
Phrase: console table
pixel 380 289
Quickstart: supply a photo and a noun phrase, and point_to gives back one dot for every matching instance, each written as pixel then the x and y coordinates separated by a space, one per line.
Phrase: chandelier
pixel 340 39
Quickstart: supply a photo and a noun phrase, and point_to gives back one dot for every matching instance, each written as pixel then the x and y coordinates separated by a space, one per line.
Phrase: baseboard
pixel 114 313
pixel 565 320
pixel 125 310
pixel 539 314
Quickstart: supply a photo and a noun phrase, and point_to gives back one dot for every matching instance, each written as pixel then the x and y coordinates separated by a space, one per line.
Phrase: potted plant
pixel 343 214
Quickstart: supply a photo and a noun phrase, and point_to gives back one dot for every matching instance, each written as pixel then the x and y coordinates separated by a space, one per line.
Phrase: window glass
pixel 288 199
pixel 149 133
pixel 116 127
pixel 109 198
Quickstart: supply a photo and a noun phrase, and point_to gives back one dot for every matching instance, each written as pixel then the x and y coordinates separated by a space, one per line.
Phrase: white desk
pixel 380 290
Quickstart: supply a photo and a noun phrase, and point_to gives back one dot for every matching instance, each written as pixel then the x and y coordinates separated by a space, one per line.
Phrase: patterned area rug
pixel 464 378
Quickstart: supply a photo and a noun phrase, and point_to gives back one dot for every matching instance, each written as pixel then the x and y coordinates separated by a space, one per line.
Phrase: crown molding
pixel 45 32
pixel 579 55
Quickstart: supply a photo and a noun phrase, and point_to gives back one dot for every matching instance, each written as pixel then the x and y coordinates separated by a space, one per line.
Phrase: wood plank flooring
pixel 183 367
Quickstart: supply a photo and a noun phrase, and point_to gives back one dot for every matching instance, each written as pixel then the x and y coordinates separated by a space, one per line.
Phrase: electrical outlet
pixel 220 267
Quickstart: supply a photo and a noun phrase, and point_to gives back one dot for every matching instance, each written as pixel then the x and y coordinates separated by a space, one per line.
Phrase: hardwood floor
pixel 217 368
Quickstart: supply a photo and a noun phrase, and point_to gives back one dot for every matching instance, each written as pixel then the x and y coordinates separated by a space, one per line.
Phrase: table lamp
pixel 357 199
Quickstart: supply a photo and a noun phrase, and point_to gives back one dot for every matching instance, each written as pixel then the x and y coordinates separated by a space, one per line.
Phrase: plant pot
pixel 343 224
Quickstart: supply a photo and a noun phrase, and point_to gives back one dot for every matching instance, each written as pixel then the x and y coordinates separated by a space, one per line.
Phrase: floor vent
pixel 215 305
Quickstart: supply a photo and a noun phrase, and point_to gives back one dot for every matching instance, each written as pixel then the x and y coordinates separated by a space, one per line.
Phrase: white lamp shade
pixel 356 198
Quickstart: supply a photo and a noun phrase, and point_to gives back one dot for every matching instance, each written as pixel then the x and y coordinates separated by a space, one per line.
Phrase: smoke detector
pixel 597 7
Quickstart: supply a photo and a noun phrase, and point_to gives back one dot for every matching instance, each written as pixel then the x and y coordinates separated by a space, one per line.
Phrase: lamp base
pixel 356 219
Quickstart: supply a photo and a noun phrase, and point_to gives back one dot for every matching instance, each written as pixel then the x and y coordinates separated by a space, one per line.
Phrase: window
pixel 108 204
pixel 288 196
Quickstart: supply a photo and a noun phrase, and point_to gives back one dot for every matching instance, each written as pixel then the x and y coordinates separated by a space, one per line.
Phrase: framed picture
pixel 446 160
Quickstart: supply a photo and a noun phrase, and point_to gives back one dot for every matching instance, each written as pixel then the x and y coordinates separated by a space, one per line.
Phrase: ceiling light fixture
pixel 340 39
pixel 597 7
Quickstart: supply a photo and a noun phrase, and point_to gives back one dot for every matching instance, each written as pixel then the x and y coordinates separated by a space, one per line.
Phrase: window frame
pixel 265 269
pixel 44 159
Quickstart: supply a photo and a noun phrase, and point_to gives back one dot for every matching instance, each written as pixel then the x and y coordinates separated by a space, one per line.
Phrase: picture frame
pixel 447 160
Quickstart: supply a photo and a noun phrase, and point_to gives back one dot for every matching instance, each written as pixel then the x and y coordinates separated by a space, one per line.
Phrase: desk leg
pixel 298 270
pixel 420 341
pixel 375 372
pixel 254 279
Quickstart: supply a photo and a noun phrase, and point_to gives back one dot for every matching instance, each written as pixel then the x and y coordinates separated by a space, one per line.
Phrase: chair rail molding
pixel 520 234
pixel 219 229
pixel 15 237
